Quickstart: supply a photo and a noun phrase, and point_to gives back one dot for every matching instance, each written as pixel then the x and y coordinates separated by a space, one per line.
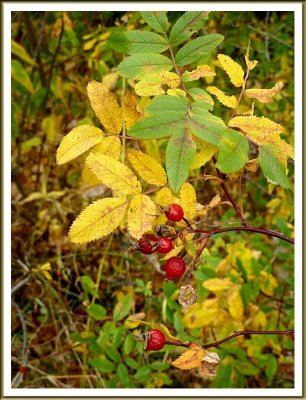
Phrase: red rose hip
pixel 155 340
pixel 165 245
pixel 145 246
pixel 175 267
pixel 175 213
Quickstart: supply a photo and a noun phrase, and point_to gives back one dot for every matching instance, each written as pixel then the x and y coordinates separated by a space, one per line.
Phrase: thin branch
pixel 238 333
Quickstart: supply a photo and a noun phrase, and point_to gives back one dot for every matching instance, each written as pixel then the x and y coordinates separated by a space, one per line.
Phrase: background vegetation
pixel 54 55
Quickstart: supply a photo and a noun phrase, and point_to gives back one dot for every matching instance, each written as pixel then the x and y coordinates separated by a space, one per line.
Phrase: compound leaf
pixel 198 48
pixel 157 20
pixel 113 174
pixel 77 141
pixel 132 42
pixel 97 220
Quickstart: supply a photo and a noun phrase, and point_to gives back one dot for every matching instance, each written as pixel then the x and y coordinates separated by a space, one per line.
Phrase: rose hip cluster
pixel 148 244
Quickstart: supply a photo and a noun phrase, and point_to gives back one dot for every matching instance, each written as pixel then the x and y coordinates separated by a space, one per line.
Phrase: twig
pixel 123 122
pixel 20 284
pixel 19 376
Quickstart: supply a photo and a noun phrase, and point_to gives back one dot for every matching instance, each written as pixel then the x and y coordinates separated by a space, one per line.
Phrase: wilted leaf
pixel 97 220
pixel 188 200
pixel 105 106
pixel 190 359
pixel 249 63
pixel 77 141
pixel 209 364
pixel 140 215
pixel 200 72
pixel 232 68
pixel 228 101
pixel 216 200
pixel 148 168
pixel 252 165
pixel 264 95
pixel 113 174
pixel 187 296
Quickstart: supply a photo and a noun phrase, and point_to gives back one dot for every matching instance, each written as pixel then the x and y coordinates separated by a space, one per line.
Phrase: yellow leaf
pixel 264 95
pixel 164 198
pixel 199 315
pixel 176 92
pixel 267 283
pixel 140 215
pixel 110 80
pixel 200 72
pixel 109 146
pixel 285 148
pixel 252 165
pixel 189 359
pixel 113 174
pixel 167 333
pixel 174 252
pixel 89 177
pixel 77 141
pixel 97 220
pixel 259 130
pixel 228 101
pixel 148 169
pixel 216 284
pixel 105 106
pixel 188 200
pixel 235 304
pixel 233 69
pixel 129 109
pixel 151 85
pixel 250 64
pixel 260 320
pixel 206 152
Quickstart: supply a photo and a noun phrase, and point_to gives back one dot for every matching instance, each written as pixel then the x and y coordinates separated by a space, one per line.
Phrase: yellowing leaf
pixel 164 198
pixel 188 200
pixel 167 333
pixel 109 146
pixel 176 92
pixel 267 283
pixel 105 106
pixel 110 80
pixel 250 64
pixel 228 101
pixel 129 109
pixel 264 95
pixel 89 177
pixel 190 359
pixel 285 148
pixel 140 215
pixel 235 305
pixel 206 152
pixel 252 165
pixel 174 252
pixel 151 85
pixel 148 169
pixel 77 141
pixel 216 284
pixel 259 130
pixel 260 320
pixel 233 69
pixel 113 174
pixel 199 315
pixel 97 220
pixel 200 72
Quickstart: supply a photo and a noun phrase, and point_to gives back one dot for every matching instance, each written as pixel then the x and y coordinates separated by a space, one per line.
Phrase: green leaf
pixel 137 42
pixel 199 94
pixel 131 363
pixel 159 366
pixel 102 364
pixel 142 373
pixel 88 285
pixel 207 127
pixel 123 307
pixel 20 75
pixel 273 165
pixel 96 311
pixel 198 106
pixel 113 353
pixel 289 196
pixel 197 48
pixel 128 344
pixel 246 368
pixel 186 25
pixel 167 114
pixel 157 20
pixel 21 52
pixel 246 293
pixel 271 368
pixel 233 153
pixel 180 153
pixel 118 336
pixel 123 375
pixel 143 63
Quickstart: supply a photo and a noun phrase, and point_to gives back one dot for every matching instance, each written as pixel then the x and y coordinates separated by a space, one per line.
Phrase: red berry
pixel 164 245
pixel 22 369
pixel 155 339
pixel 175 267
pixel 175 213
pixel 144 245
pixel 150 237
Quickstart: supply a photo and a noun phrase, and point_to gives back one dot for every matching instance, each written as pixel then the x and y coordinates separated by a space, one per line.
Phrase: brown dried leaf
pixel 209 364
pixel 187 296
